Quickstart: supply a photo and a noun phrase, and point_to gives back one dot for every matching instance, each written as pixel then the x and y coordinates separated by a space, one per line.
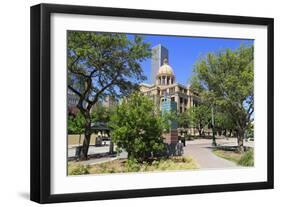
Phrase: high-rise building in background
pixel 159 53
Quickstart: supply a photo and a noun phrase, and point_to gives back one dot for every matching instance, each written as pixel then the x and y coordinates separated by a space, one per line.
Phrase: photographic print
pixel 132 103
pixel 153 103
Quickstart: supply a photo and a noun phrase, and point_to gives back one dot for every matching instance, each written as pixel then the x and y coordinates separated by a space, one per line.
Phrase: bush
pixel 138 128
pixel 247 159
pixel 78 169
pixel 188 137
pixel 132 165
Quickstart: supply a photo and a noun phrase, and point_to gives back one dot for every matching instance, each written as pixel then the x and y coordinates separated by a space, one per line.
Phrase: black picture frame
pixel 41 96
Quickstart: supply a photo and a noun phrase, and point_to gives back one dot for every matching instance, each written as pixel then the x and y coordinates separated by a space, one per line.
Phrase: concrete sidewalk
pixel 92 150
pixel 203 155
pixel 99 152
pixel 220 141
pixel 201 151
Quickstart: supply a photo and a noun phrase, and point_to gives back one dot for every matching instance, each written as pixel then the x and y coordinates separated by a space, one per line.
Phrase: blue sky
pixel 184 51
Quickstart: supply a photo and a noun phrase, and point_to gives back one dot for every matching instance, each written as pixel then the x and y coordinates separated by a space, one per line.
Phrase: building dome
pixel 165 69
pixel 165 75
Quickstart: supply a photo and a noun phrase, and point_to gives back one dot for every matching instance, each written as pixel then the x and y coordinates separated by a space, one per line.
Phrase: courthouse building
pixel 168 95
pixel 166 86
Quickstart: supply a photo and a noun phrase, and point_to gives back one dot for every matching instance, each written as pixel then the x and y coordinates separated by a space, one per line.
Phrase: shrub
pixel 247 159
pixel 138 128
pixel 132 165
pixel 78 169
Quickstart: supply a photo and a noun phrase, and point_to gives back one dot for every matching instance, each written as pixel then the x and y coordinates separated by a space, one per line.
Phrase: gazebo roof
pixel 102 126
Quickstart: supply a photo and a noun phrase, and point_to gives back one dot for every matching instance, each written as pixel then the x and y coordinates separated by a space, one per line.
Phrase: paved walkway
pixel 93 150
pixel 201 151
pixel 203 155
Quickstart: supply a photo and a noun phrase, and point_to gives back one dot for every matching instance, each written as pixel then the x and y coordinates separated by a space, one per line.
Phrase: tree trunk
pixel 240 137
pixel 86 142
pixel 199 131
pixel 130 155
pixel 203 133
pixel 111 147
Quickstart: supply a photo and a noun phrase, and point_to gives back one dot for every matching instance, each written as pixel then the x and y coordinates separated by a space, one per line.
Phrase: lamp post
pixel 213 128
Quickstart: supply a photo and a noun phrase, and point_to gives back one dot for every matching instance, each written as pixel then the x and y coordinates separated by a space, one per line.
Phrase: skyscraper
pixel 159 53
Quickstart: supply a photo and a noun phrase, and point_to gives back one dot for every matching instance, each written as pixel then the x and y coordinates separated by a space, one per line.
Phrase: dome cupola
pixel 165 75
pixel 165 69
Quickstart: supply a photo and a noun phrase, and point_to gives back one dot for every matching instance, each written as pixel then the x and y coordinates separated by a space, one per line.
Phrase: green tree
pixel 199 117
pixel 137 127
pixel 76 125
pixel 101 113
pixel 100 65
pixel 227 80
pixel 100 116
pixel 223 123
pixel 184 122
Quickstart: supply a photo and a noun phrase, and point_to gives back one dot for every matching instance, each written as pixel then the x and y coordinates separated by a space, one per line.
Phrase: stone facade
pixel 169 95
pixel 166 86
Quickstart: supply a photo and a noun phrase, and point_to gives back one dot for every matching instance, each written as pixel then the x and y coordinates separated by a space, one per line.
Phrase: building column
pixel 177 99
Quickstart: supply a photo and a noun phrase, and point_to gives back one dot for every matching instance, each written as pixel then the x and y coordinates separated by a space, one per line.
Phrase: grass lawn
pixel 243 159
pixel 124 165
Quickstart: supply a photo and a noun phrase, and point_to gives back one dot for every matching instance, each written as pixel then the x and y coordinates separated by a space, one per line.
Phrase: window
pixel 171 90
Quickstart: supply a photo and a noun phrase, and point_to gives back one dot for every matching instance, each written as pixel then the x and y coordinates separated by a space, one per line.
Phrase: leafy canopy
pixel 199 117
pixel 101 65
pixel 226 81
pixel 104 64
pixel 137 127
pixel 76 124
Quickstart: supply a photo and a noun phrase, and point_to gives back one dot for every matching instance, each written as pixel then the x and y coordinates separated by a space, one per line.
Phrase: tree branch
pixel 74 91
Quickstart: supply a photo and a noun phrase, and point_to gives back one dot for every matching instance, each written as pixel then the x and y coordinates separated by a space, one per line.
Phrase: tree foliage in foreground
pixel 223 123
pixel 76 124
pixel 137 127
pixel 101 65
pixel 225 80
pixel 101 113
pixel 199 117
